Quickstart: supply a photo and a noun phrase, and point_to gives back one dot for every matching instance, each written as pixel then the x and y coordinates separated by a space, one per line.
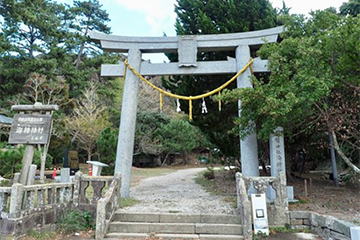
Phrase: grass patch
pixel 32 234
pixel 221 183
pixel 75 221
pixel 128 202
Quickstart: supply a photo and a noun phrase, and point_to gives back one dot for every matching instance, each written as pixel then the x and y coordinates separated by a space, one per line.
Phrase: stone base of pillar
pixel 271 194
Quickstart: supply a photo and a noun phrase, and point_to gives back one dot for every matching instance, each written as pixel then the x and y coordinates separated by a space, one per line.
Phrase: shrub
pixel 76 221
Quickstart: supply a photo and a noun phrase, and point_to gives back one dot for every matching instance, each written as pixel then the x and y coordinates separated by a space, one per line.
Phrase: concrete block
pixel 129 227
pixel 113 236
pixel 355 233
pixel 296 222
pixel 317 220
pixel 290 192
pixel 187 228
pixel 231 229
pixel 221 219
pixel 65 175
pixel 136 217
pixel 338 236
pixel 306 222
pixel 300 214
pixel 164 236
pixel 179 218
pixel 343 227
pixel 7 227
pixel 220 237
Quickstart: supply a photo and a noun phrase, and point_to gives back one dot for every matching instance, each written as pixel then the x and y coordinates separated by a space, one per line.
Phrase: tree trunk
pixel 342 154
pixel 333 160
pixel 165 159
pixel 185 157
pixel 78 60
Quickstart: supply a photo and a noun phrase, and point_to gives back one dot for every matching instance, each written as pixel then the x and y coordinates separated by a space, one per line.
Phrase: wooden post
pixel 26 163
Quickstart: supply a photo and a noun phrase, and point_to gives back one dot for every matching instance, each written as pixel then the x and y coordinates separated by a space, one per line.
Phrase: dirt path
pixel 176 192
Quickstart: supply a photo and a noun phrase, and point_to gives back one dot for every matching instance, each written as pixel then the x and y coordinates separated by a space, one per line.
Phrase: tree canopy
pixel 314 87
pixel 212 17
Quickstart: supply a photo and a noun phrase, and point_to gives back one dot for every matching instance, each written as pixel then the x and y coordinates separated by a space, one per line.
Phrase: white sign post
pixel 259 214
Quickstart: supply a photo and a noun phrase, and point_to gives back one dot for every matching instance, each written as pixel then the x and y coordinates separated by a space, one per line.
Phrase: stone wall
pixel 325 226
pixel 40 207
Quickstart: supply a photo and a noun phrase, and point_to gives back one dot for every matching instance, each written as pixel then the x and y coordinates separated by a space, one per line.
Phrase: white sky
pixel 156 17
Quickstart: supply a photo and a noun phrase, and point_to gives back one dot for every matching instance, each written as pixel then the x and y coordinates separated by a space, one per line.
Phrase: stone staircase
pixel 174 226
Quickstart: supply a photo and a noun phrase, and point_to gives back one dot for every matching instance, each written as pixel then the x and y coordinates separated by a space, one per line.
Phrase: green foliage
pixel 314 75
pixel 41 235
pixel 10 160
pixel 209 173
pixel 76 221
pixel 352 7
pixel 106 148
pixel 212 17
pixel 180 136
pixel 147 139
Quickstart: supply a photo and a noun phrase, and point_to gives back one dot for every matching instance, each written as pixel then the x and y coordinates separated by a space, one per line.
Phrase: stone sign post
pixel 187 48
pixel 31 129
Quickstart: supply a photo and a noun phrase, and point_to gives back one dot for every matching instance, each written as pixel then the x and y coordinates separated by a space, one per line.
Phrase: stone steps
pixel 174 226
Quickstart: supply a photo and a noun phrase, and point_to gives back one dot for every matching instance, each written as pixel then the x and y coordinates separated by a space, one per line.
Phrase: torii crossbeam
pixel 187 47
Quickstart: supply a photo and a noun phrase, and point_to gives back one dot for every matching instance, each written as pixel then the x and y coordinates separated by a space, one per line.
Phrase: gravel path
pixel 176 192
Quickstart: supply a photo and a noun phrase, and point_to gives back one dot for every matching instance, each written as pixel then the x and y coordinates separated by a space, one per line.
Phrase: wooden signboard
pixel 30 129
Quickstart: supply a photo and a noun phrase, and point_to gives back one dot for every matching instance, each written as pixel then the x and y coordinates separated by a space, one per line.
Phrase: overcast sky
pixel 155 17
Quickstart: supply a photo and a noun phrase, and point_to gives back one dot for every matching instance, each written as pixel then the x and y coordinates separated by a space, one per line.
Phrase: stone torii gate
pixel 187 47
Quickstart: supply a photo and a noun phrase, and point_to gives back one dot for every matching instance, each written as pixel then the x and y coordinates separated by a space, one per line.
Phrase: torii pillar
pixel 187 48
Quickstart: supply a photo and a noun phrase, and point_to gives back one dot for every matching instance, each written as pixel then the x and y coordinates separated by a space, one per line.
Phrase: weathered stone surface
pixel 49 217
pixel 124 153
pixel 16 178
pixel 355 232
pixel 7 227
pixel 296 222
pixel 17 193
pixel 26 162
pixel 187 50
pixel 231 229
pixel 31 175
pixel 164 69
pixel 337 236
pixel 210 42
pixel 248 145
pixel 343 227
pixel 136 217
pixel 306 222
pixel 277 152
pixel 300 214
pixel 221 219
pixel 179 218
pixel 65 175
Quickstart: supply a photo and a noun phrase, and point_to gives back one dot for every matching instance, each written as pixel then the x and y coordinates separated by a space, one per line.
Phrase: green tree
pixel 180 136
pixel 313 83
pixel 88 16
pixel 106 148
pixel 146 135
pixel 213 17
pixel 352 7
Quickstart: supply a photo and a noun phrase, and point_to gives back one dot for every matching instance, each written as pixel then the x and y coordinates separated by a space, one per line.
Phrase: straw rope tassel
pixel 161 102
pixel 190 110
pixel 219 101
pixel 178 109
